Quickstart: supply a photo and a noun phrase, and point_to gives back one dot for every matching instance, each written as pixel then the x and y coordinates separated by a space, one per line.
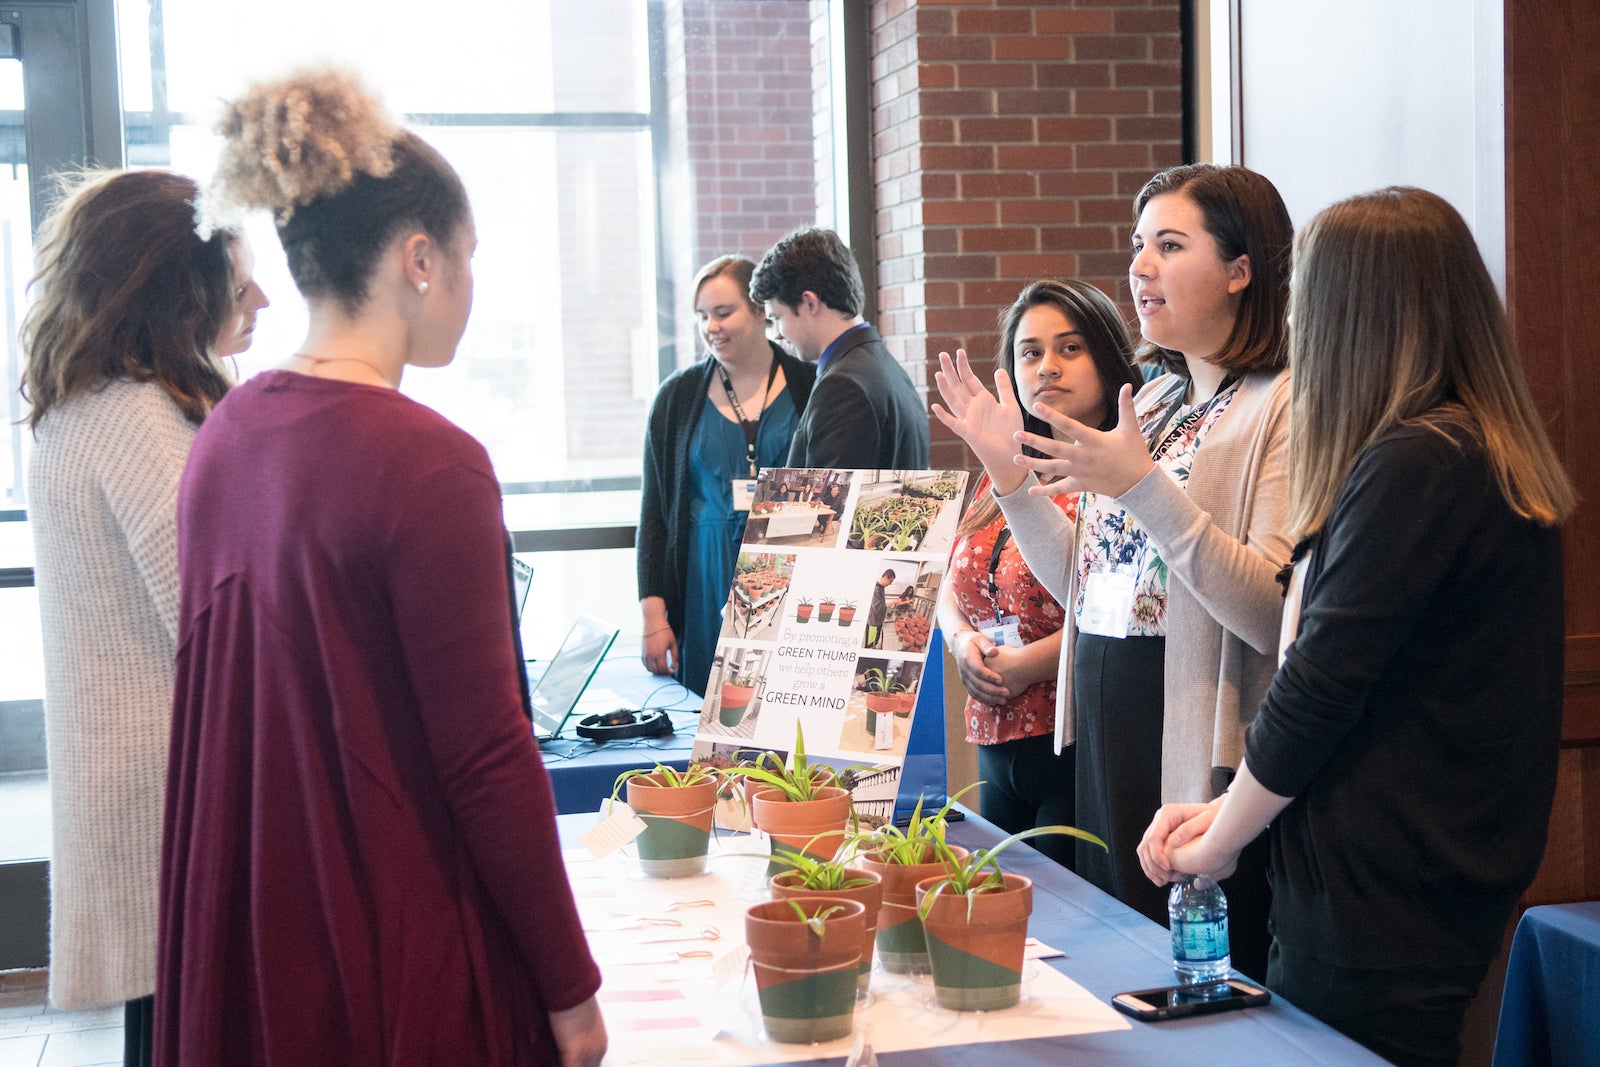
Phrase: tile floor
pixel 32 1034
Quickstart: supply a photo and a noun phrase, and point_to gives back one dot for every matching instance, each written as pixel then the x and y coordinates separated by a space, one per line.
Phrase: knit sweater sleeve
pixel 1383 559
pixel 1233 578
pixel 143 447
pixel 653 504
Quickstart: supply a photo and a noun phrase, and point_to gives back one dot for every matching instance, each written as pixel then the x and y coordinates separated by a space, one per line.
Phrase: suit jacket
pixel 864 413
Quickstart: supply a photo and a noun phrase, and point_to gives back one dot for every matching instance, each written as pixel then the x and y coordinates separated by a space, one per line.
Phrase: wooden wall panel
pixel 1552 228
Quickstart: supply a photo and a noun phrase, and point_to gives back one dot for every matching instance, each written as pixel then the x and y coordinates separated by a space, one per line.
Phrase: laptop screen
pixel 568 675
pixel 521 582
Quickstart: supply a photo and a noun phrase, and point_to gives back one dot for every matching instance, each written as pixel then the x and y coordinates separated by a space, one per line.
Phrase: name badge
pixel 1107 603
pixel 744 493
pixel 1003 631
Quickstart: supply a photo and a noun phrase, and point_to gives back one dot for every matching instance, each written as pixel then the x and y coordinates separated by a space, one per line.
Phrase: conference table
pixel 1550 1012
pixel 582 771
pixel 1111 949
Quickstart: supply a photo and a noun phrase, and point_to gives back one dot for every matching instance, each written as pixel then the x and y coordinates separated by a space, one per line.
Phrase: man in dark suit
pixel 864 412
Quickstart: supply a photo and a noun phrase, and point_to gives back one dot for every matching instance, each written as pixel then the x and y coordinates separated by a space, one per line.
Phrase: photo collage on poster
pixel 830 614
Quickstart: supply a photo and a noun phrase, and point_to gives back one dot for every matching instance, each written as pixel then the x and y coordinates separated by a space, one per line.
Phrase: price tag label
pixel 883 734
pixel 729 968
pixel 612 831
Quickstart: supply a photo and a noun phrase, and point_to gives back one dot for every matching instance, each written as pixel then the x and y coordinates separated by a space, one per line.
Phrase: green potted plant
pixel 847 612
pixel 795 804
pixel 882 695
pixel 904 857
pixel 975 919
pixel 676 807
pixel 811 876
pixel 806 954
pixel 802 610
pixel 738 689
pixel 825 609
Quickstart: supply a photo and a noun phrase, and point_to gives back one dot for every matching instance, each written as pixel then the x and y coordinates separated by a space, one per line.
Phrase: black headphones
pixel 623 723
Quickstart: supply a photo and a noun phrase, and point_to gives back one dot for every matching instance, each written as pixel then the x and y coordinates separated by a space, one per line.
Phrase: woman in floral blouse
pixel 1063 344
pixel 1171 569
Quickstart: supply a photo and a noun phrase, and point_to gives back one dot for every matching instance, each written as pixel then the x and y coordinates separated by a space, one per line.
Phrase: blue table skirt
pixel 1112 949
pixel 1550 1013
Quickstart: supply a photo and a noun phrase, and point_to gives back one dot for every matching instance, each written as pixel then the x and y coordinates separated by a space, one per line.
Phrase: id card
pixel 1003 631
pixel 1107 603
pixel 744 493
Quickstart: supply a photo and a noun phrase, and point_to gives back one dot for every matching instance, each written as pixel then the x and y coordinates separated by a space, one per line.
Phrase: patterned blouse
pixel 1033 711
pixel 1174 432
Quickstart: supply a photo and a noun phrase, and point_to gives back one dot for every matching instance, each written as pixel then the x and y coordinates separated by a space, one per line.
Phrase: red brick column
pixel 1009 140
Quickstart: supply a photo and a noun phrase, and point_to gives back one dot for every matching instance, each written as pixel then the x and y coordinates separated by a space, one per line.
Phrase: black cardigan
pixel 663 536
pixel 1417 715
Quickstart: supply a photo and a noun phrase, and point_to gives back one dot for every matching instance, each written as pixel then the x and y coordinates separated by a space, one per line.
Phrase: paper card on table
pixel 730 968
pixel 883 735
pixel 612 831
pixel 1034 949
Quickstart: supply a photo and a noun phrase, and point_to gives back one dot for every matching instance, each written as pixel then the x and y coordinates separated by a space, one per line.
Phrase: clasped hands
pixel 1082 458
pixel 1175 843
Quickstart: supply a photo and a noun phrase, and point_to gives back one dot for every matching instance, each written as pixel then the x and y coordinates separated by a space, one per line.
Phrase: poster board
pixel 829 622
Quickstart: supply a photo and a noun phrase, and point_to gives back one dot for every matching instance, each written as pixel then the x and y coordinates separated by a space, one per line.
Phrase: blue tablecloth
pixel 1112 949
pixel 582 772
pixel 1550 1013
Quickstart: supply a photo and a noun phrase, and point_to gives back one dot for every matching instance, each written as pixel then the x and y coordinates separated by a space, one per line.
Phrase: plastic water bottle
pixel 1198 914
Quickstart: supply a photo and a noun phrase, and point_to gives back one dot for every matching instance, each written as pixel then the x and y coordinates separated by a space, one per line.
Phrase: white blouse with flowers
pixel 1107 534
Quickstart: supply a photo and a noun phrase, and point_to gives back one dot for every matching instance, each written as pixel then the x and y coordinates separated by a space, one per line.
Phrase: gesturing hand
pixel 1105 462
pixel 987 422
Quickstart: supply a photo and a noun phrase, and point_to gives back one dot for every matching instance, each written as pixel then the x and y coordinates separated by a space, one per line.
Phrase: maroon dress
pixel 360 861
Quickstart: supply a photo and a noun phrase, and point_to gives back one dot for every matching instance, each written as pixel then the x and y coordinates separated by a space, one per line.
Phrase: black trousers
pixel 1411 1016
pixel 1117 700
pixel 1025 784
pixel 139 1032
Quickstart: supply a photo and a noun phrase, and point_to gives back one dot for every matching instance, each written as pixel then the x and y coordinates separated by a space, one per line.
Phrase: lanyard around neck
pixel 750 426
pixel 1161 438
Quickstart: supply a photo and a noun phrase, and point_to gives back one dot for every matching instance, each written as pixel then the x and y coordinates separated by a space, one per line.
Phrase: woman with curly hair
pixel 361 862
pixel 132 313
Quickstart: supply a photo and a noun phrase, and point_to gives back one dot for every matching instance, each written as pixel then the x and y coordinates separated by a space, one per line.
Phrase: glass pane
pixel 16 266
pixel 550 120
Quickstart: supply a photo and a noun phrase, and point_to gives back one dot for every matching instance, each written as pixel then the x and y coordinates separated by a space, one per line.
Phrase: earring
pixel 422 288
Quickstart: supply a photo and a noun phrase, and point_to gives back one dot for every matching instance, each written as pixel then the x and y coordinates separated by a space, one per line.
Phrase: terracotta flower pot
pixel 792 824
pixel 677 821
pixel 825 611
pixel 735 699
pixel 802 613
pixel 806 983
pixel 977 961
pixel 846 616
pixel 901 944
pixel 870 895
pixel 904 703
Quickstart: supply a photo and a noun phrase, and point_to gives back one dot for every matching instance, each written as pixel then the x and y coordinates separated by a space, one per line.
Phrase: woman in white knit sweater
pixel 132 313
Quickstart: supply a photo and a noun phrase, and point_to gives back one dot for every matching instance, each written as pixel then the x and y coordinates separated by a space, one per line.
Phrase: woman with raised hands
pixel 1405 754
pixel 1170 569
pixel 361 862
pixel 1062 344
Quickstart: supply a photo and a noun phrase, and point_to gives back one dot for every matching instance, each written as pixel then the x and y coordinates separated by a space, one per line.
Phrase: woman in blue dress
pixel 712 425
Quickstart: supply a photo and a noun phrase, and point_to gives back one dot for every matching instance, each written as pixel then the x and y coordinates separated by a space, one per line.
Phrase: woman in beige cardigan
pixel 1170 569
pixel 132 313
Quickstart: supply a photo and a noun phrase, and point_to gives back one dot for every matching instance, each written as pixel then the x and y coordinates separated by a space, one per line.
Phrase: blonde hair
pixel 126 289
pixel 319 151
pixel 1396 323
pixel 288 141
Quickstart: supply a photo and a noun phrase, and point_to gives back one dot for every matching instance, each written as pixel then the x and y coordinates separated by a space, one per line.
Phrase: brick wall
pixel 1009 140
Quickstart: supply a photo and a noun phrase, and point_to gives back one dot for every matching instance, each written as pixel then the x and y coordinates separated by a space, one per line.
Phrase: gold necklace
pixel 316 361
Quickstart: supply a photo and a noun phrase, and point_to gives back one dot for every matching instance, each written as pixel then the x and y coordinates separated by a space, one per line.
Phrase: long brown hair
pixel 1397 323
pixel 1105 335
pixel 1245 216
pixel 126 289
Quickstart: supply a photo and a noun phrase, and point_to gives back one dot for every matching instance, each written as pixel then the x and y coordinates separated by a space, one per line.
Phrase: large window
pixel 610 147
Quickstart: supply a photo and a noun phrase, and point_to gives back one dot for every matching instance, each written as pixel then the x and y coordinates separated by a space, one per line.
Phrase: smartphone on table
pixel 1178 1001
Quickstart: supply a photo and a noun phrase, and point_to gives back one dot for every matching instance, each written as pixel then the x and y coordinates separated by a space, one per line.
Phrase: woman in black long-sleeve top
pixel 1405 754
pixel 711 423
